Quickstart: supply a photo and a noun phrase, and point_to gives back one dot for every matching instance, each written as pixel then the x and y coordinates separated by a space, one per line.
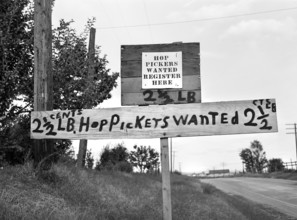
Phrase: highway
pixel 278 193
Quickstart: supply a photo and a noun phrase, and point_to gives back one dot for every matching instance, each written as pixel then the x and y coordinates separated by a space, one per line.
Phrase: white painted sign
pixel 162 70
pixel 187 120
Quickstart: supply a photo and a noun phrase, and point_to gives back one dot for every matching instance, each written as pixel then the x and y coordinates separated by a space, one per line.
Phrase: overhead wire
pixel 148 20
pixel 122 18
pixel 109 19
pixel 201 19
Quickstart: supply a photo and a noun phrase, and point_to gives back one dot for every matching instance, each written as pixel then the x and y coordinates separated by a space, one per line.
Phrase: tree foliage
pixel 254 157
pixel 73 88
pixel 275 164
pixel 144 158
pixel 115 159
pixel 16 57
pixel 89 160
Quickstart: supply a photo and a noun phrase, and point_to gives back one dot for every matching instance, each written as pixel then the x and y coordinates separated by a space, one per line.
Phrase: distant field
pixel 66 192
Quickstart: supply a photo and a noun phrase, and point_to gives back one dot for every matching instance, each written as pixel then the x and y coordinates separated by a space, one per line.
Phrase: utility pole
pixel 171 155
pixel 83 144
pixel 293 127
pixel 173 160
pixel 43 78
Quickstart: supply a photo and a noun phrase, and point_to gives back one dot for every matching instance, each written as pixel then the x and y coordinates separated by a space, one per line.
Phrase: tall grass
pixel 66 192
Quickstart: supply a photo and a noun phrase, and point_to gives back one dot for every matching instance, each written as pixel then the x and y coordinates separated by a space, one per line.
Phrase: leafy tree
pixel 247 157
pixel 73 89
pixel 16 72
pixel 16 57
pixel 144 158
pixel 254 157
pixel 89 159
pixel 114 159
pixel 275 164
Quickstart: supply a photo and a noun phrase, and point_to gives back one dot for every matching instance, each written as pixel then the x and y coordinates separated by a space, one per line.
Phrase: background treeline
pixel 255 161
pixel 142 159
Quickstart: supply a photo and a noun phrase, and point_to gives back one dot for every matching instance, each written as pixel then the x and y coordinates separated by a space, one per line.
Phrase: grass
pixel 65 192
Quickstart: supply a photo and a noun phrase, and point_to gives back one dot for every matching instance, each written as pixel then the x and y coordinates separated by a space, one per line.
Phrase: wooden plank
pixel 187 120
pixel 166 185
pixel 130 85
pixel 133 68
pixel 134 52
pixel 161 97
pixel 134 78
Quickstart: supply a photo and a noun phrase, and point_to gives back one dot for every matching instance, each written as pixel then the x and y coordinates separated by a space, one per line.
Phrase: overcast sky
pixel 248 51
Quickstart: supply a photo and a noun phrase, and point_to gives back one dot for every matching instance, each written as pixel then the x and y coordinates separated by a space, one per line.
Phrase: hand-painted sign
pixel 160 74
pixel 219 118
pixel 162 70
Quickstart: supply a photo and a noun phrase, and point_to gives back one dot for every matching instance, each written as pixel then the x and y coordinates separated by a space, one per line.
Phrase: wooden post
pixel 43 79
pixel 171 167
pixel 83 144
pixel 295 132
pixel 166 188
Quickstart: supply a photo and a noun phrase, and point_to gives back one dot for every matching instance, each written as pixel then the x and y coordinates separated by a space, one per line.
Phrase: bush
pixel 208 188
pixel 123 166
pixel 177 172
pixel 275 164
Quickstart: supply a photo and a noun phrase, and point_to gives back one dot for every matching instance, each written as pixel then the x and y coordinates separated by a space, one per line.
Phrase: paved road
pixel 281 194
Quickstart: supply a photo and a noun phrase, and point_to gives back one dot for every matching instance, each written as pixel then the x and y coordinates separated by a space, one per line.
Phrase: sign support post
pixel 166 185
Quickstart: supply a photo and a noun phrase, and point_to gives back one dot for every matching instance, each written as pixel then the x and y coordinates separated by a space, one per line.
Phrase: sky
pixel 248 50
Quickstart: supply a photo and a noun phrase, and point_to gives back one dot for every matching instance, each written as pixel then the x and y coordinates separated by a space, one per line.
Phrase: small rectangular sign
pixel 187 120
pixel 162 70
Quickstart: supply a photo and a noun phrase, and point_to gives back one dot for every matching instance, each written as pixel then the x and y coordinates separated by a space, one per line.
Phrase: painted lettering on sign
pixel 161 70
pixel 166 98
pixel 157 121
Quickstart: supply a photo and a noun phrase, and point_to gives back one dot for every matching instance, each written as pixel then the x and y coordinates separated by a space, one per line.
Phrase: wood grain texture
pixel 131 72
pixel 155 97
pixel 187 120
pixel 43 77
pixel 131 57
pixel 133 68
pixel 166 183
pixel 134 52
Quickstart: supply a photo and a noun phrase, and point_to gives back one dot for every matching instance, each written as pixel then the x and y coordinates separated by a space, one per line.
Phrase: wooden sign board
pixel 160 74
pixel 218 118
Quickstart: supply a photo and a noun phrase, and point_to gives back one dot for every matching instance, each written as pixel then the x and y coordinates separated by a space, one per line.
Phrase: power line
pixel 147 19
pixel 109 20
pixel 200 20
pixel 293 127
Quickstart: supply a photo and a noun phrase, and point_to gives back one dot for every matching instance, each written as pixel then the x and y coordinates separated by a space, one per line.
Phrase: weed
pixel 67 192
